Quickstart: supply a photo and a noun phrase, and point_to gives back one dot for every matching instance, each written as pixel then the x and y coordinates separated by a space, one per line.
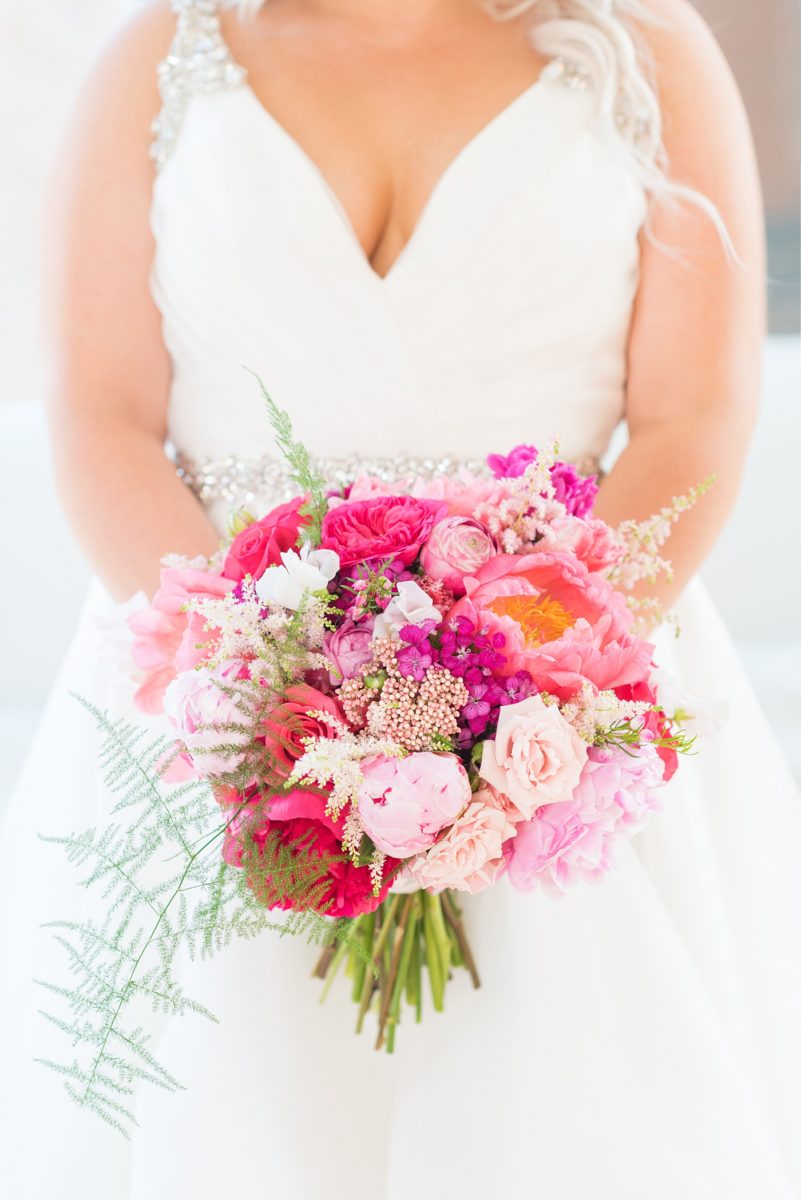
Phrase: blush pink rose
pixel 576 839
pixel 456 547
pixel 261 544
pixel 470 857
pixel 290 722
pixel 160 630
pixel 536 756
pixel 405 802
pixel 197 707
pixel 387 527
pixel 562 623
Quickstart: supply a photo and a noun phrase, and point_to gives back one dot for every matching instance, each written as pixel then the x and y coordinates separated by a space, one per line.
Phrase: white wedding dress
pixel 639 1040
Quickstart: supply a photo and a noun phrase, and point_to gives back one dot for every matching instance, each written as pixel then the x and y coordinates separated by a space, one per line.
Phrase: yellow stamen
pixel 541 618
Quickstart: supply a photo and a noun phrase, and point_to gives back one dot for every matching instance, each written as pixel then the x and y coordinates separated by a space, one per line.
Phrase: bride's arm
pixel 111 376
pixel 696 342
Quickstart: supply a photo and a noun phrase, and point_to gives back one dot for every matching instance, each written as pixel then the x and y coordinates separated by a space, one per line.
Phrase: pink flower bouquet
pixel 399 694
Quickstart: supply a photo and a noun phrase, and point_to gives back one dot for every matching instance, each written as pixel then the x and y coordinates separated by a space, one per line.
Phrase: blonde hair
pixel 601 37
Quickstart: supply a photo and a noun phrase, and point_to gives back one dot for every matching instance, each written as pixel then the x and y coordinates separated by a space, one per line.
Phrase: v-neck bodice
pixel 504 318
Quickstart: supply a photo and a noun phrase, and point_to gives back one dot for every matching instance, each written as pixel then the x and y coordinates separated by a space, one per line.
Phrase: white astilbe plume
pixel 595 714
pixel 337 762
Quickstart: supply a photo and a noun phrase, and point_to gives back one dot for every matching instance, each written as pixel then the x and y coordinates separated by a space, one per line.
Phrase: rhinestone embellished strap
pixel 198 63
pixel 240 481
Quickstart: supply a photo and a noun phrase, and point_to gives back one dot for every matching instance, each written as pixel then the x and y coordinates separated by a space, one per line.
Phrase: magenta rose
pixel 405 802
pixel 261 544
pixel 348 648
pixel 299 818
pixel 386 527
pixel 457 546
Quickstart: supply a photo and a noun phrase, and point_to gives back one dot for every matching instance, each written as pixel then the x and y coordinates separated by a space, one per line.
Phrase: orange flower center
pixel 541 618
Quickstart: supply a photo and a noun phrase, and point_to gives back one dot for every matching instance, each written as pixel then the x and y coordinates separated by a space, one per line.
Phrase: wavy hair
pixel 603 38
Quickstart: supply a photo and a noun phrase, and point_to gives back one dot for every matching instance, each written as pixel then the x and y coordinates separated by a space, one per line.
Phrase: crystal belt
pixel 240 480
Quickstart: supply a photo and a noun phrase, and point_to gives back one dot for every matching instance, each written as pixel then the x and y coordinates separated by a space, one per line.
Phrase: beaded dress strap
pixel 198 63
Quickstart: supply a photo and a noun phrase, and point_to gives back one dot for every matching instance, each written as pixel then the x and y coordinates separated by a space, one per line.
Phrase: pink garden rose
pixel 562 624
pixel 299 818
pixel 576 839
pixel 261 544
pixel 470 856
pixel 456 547
pixel 405 802
pixel 165 637
pixel 387 527
pixel 289 723
pixel 196 707
pixel 536 756
pixel 348 648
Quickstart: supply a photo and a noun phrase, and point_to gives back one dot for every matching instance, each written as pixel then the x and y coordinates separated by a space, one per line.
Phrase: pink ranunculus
pixel 348 648
pixel 289 723
pixel 405 802
pixel 197 706
pixel 298 818
pixel 160 630
pixel 563 624
pixel 387 527
pixel 456 547
pixel 536 756
pixel 576 839
pixel 470 856
pixel 261 544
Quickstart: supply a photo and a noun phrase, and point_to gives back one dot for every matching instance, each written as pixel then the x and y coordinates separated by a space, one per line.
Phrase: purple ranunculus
pixel 348 648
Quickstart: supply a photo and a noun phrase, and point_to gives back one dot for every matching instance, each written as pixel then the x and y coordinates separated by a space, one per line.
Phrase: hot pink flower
pixel 562 624
pixel 261 544
pixel 576 839
pixel 299 818
pixel 470 856
pixel 405 802
pixel 289 723
pixel 387 527
pixel 160 629
pixel 536 756
pixel 456 547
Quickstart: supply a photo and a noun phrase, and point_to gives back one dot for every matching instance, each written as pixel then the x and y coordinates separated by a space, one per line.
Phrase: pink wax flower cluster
pixel 434 686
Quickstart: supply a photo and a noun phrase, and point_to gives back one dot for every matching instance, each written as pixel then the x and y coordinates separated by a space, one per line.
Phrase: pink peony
pixel 536 756
pixel 470 857
pixel 299 818
pixel 197 706
pixel 460 494
pixel 160 630
pixel 290 722
pixel 592 541
pixel 261 544
pixel 387 527
pixel 561 623
pixel 405 802
pixel 575 839
pixel 456 547
pixel 348 648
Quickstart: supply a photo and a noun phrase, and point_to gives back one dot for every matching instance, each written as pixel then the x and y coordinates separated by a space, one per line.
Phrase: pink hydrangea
pixel 576 838
pixel 405 802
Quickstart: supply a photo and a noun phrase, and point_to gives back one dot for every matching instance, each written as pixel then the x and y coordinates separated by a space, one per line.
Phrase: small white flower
pixel 411 606
pixel 702 718
pixel 306 571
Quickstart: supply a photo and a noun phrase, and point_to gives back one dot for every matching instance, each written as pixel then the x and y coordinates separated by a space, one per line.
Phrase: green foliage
pixel 163 889
pixel 297 457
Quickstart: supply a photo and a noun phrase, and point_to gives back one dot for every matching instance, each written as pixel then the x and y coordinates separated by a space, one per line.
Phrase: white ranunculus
pixel 411 606
pixel 305 571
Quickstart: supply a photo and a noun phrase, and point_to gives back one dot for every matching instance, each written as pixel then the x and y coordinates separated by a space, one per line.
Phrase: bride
pixel 434 228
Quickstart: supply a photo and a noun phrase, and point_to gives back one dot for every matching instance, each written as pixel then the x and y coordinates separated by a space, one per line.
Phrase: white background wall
pixel 45 49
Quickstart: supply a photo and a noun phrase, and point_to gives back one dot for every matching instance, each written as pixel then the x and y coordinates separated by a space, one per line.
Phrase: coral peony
pixel 536 756
pixel 261 544
pixel 405 802
pixel 381 528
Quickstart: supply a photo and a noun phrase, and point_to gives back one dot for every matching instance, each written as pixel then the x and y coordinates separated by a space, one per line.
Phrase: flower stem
pixel 392 974
pixel 455 922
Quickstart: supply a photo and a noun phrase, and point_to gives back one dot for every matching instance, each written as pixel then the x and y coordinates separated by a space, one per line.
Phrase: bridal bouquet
pixel 403 692
pixel 379 698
